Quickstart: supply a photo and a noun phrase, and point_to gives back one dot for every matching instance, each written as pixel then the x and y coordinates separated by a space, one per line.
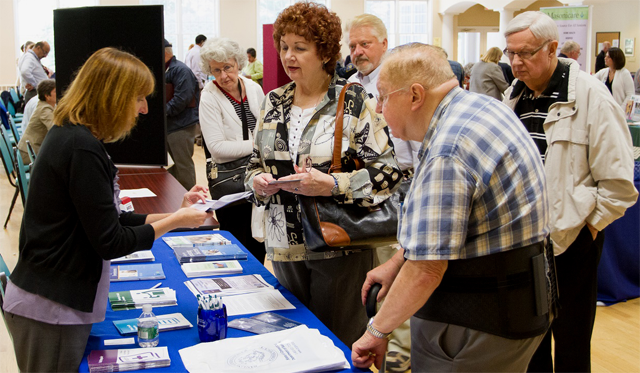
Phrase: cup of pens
pixel 212 318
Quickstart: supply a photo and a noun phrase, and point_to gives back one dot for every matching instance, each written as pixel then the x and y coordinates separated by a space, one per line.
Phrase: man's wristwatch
pixel 376 333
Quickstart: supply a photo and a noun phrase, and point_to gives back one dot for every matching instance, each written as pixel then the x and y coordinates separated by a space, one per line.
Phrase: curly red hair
pixel 316 24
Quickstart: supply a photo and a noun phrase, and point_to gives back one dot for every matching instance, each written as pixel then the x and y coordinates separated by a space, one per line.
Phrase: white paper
pixel 137 193
pixel 214 204
pixel 119 342
pixel 299 349
pixel 256 302
pixel 228 285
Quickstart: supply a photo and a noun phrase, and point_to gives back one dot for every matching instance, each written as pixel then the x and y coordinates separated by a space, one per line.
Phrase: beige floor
pixel 615 343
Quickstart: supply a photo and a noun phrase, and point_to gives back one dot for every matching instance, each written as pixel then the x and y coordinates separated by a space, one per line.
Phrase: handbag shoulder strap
pixel 336 165
pixel 245 126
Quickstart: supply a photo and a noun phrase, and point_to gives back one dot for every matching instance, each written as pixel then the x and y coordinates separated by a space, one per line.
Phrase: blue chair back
pixel 21 172
pixel 5 152
pixel 4 115
pixel 14 96
pixel 14 130
pixel 31 151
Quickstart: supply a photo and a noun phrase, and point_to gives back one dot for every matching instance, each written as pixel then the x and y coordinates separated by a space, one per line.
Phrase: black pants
pixel 237 220
pixel 577 270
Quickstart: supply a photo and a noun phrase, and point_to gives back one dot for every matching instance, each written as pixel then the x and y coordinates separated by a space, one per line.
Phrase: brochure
pixel 299 349
pixel 128 359
pixel 214 204
pixel 203 269
pixel 196 240
pixel 138 256
pixel 172 321
pixel 209 253
pixel 134 272
pixel 131 299
pixel 228 285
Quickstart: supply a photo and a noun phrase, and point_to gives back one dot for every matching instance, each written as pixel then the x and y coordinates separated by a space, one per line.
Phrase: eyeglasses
pixel 524 55
pixel 227 69
pixel 382 98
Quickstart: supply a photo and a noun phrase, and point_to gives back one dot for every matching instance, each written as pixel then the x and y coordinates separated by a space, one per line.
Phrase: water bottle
pixel 148 328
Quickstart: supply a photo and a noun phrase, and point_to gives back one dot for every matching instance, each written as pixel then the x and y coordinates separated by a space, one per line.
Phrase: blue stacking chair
pixel 8 159
pixel 22 173
pixel 15 131
pixel 31 152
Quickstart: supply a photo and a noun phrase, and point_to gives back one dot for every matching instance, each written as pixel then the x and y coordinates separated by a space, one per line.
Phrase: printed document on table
pixel 228 285
pixel 137 193
pixel 299 349
pixel 262 301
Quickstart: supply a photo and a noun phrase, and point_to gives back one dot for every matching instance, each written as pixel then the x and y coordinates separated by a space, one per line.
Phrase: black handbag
pixel 228 178
pixel 330 226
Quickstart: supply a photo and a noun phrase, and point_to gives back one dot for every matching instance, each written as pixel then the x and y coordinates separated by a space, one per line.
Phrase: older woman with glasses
pixel 294 143
pixel 228 104
pixel 617 79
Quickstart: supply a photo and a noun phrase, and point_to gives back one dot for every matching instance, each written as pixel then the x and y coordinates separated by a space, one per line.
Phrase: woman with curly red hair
pixel 294 141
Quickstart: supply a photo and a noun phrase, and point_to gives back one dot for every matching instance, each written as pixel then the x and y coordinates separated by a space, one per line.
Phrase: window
pixel 186 19
pixel 406 20
pixel 34 22
pixel 268 11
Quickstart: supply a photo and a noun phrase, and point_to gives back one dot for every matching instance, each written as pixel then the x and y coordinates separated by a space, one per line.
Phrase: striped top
pixel 251 120
pixel 532 110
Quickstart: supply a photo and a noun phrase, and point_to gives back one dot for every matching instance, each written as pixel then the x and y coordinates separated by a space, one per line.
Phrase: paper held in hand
pixel 216 204
pixel 293 350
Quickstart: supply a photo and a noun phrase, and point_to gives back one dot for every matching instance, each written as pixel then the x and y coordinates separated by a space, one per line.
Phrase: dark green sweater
pixel 70 222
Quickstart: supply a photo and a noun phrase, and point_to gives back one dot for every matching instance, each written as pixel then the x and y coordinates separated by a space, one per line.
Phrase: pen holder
pixel 212 324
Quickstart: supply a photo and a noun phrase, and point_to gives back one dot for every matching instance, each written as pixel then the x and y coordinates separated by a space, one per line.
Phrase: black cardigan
pixel 70 223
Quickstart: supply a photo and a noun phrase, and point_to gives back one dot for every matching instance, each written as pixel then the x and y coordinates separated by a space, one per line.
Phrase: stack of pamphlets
pixel 132 272
pixel 172 321
pixel 263 323
pixel 299 349
pixel 204 269
pixel 242 294
pixel 131 299
pixel 196 240
pixel 214 253
pixel 128 359
pixel 228 285
pixel 138 256
pixel 214 204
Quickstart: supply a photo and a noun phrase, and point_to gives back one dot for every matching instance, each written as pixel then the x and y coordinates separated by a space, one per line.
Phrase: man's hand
pixel 384 275
pixel 594 232
pixel 368 350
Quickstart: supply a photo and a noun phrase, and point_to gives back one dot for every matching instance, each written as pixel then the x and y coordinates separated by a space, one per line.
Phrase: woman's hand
pixel 261 185
pixel 197 193
pixel 312 182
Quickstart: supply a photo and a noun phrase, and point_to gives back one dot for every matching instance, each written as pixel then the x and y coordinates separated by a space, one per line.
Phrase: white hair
pixel 221 50
pixel 570 46
pixel 378 29
pixel 540 24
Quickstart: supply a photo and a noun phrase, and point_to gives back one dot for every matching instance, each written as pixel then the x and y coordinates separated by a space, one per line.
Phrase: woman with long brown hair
pixel 72 225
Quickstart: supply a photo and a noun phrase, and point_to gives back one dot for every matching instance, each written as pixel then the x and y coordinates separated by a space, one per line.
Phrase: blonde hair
pixel 416 63
pixel 102 96
pixel 379 30
pixel 493 55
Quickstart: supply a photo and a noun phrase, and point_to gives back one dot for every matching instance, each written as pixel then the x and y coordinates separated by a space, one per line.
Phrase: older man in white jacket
pixel 583 137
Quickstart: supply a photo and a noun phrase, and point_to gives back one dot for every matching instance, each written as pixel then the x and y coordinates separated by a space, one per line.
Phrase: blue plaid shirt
pixel 479 187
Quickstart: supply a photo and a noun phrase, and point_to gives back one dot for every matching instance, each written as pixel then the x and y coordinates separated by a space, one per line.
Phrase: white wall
pixel 622 16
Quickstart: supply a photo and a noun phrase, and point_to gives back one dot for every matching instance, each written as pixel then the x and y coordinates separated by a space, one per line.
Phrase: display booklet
pixel 128 359
pixel 138 256
pixel 203 269
pixel 134 272
pixel 172 321
pixel 228 285
pixel 196 240
pixel 209 253
pixel 131 299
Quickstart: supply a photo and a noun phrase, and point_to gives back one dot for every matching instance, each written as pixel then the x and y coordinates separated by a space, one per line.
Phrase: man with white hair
pixel 583 138
pixel 570 49
pixel 367 36
pixel 472 228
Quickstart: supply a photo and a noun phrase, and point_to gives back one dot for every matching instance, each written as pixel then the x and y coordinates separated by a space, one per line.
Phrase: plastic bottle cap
pixel 146 308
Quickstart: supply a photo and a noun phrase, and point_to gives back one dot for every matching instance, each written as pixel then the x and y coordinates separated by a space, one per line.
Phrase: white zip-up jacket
pixel 589 161
pixel 221 127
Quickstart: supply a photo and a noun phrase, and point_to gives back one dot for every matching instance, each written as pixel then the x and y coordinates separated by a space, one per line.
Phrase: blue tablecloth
pixel 619 268
pixel 187 305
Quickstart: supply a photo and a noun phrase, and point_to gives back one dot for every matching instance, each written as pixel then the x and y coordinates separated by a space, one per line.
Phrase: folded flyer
pixel 138 256
pixel 209 253
pixel 196 240
pixel 128 359
pixel 172 321
pixel 203 269
pixel 135 272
